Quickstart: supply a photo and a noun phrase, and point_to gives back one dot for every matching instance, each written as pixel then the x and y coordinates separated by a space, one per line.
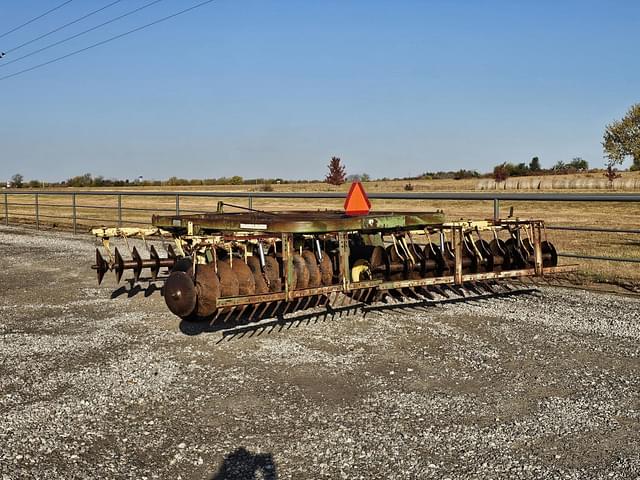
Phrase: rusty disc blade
pixel 326 270
pixel 119 265
pixel 258 276
pixel 101 266
pixel 549 254
pixel 302 273
pixel 180 294
pixel 272 272
pixel 153 254
pixel 137 269
pixel 207 287
pixel 246 281
pixel 229 285
pixel 315 278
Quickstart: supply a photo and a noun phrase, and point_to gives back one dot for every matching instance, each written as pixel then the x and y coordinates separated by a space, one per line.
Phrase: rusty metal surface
pixel 297 222
pixel 180 294
pixel 367 258
pixel 381 285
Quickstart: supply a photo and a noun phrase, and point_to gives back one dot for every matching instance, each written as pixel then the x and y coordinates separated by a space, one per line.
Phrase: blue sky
pixel 275 88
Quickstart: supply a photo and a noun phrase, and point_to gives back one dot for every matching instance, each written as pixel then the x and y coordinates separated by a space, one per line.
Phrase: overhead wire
pixel 111 39
pixel 55 30
pixel 36 18
pixel 84 32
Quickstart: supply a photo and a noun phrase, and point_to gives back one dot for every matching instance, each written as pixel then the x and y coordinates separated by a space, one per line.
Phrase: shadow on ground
pixel 236 330
pixel 244 465
pixel 134 289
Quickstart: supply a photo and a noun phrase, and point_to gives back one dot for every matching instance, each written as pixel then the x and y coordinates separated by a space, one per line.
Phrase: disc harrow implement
pixel 252 265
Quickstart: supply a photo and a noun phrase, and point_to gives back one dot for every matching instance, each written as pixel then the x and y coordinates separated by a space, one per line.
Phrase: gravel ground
pixel 539 386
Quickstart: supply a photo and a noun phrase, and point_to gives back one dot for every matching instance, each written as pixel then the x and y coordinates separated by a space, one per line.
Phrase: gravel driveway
pixel 545 385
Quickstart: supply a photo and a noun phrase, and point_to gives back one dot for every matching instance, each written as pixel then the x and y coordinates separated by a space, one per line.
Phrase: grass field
pixel 97 210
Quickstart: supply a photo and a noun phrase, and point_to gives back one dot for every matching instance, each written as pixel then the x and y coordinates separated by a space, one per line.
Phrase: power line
pixel 51 45
pixel 107 40
pixel 36 18
pixel 62 27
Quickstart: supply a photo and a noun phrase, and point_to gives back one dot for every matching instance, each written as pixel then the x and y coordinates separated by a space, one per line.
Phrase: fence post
pixel 37 212
pixel 6 208
pixel 496 209
pixel 250 202
pixel 119 209
pixel 73 206
pixel 177 204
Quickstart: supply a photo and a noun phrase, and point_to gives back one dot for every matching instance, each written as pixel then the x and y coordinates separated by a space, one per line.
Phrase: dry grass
pixel 56 211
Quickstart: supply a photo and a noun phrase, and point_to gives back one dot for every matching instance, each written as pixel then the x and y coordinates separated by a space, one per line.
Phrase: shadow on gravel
pixel 244 465
pixel 423 305
pixel 133 290
pixel 235 331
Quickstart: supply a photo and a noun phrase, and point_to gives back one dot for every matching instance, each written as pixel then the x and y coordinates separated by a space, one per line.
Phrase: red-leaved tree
pixel 337 173
pixel 500 172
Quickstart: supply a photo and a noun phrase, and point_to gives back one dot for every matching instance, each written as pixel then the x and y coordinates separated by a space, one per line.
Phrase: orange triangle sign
pixel 357 202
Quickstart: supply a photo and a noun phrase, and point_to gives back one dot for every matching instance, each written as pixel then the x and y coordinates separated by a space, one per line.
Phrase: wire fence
pixel 80 210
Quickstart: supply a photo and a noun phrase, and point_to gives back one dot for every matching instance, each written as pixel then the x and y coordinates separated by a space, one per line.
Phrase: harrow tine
pixel 487 287
pixel 426 293
pixel 342 300
pixel 411 293
pixel 275 311
pixel 440 291
pixel 231 310
pixel 287 307
pixel 317 299
pixel 395 294
pixel 264 310
pixel 215 317
pixel 253 312
pixel 240 312
pixel 306 305
pixel 456 289
pixel 276 308
pixel 321 302
pixel 367 296
pixel 325 301
pixel 546 280
pixel 473 287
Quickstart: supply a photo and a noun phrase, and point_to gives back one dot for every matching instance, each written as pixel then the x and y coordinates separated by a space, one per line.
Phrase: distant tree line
pixel 505 170
pixel 336 176
pixel 88 180
pixel 621 140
